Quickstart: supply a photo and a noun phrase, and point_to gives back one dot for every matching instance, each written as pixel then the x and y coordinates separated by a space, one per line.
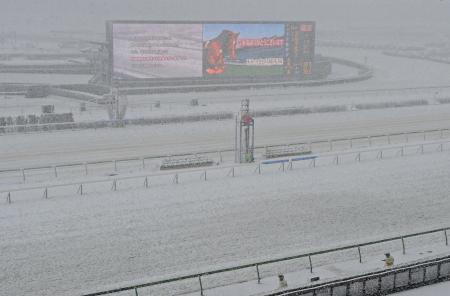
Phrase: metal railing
pixel 80 125
pixel 325 145
pixel 231 171
pixel 257 265
pixel 382 282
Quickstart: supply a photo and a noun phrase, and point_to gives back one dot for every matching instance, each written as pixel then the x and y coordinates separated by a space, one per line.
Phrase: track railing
pixel 320 145
pixel 381 282
pixel 330 158
pixel 257 265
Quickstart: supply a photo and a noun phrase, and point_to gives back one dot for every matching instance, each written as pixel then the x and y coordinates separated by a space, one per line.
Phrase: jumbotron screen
pixel 148 50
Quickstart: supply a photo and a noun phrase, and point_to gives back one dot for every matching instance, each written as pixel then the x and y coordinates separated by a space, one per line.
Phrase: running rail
pixel 381 282
pixel 256 265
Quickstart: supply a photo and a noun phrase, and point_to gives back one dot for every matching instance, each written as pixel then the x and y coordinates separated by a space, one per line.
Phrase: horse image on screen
pixel 243 50
pixel 217 49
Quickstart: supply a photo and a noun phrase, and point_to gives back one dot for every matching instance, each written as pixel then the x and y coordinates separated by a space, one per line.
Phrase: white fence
pixel 201 175
pixel 149 162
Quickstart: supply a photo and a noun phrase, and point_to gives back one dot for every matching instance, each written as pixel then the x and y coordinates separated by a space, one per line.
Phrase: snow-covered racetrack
pixel 58 246
pixel 55 246
pixel 22 150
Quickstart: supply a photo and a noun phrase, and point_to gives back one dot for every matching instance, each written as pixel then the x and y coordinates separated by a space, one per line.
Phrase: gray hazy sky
pixel 46 15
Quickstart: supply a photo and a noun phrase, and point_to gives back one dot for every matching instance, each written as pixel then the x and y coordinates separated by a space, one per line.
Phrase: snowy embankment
pixel 56 246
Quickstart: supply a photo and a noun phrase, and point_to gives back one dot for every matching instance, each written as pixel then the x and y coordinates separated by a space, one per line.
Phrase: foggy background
pixel 60 240
pixel 42 16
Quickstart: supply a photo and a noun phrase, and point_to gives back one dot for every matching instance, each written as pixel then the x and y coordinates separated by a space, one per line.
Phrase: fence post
pixel 351 143
pixel 359 253
pixel 313 163
pixel 358 157
pixel 310 264
pixel 259 169
pixel 80 189
pixel 114 185
pixel 446 237
pixel 146 182
pixel 201 285
pixel 175 179
pixel 56 173
pixel 421 149
pixel 380 154
pixel 205 175
pixel 23 175
pixel 337 160
pixel 46 193
pixel 424 274
pixel 220 156
pixel 442 133
pixel 257 273
pixel 8 198
pixel 395 281
pixel 409 276
pixel 136 292
pixel 441 147
pixel 403 246
pixel 143 163
pixel 115 165
pixel 86 168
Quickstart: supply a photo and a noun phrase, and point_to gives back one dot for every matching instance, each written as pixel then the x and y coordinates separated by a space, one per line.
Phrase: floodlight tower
pixel 245 134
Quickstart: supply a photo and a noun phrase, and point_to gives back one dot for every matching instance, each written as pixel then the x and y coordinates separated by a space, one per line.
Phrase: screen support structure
pixel 244 134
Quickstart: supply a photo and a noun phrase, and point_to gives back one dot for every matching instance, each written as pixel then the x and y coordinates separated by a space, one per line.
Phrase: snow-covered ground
pixel 441 289
pixel 64 245
pixel 53 79
pixel 390 72
pixel 110 239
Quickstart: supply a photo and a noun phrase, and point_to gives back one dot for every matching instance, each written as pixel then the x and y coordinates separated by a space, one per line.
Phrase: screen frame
pixel 110 41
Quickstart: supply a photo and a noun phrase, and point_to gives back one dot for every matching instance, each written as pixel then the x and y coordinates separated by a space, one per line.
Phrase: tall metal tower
pixel 116 105
pixel 245 134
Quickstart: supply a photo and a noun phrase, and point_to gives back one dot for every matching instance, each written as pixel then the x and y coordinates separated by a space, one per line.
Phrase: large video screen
pixel 143 50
